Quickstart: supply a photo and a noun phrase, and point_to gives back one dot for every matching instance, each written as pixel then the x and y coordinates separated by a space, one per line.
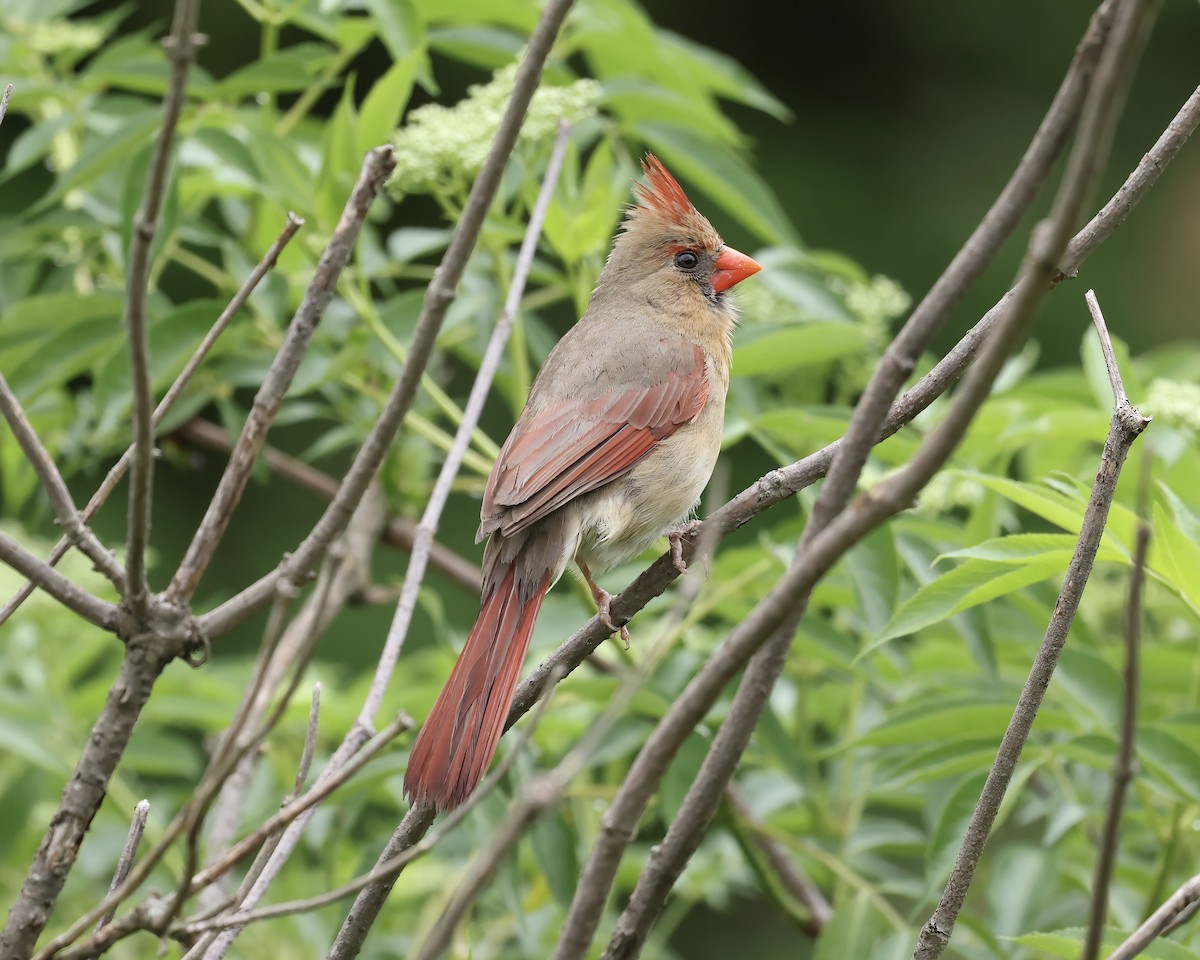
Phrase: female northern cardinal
pixel 618 438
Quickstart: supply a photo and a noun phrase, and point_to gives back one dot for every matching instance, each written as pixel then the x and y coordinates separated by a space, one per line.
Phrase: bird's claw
pixel 675 537
pixel 603 603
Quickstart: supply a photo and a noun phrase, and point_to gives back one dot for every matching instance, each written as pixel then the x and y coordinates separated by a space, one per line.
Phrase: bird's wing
pixel 578 445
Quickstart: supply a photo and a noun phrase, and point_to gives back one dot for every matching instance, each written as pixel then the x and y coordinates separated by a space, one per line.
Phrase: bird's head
pixel 670 255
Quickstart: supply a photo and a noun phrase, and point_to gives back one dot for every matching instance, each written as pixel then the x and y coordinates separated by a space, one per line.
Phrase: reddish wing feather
pixel 578 446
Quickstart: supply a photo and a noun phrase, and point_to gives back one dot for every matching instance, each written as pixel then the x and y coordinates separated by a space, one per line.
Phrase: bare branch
pixel 772 624
pixel 65 591
pixel 56 489
pixel 438 297
pixel 1106 347
pixel 399 532
pixel 137 919
pixel 310 741
pixel 167 402
pixel 376 168
pixel 462 438
pixel 1165 918
pixel 145 657
pixel 1123 759
pixel 4 101
pixel 136 828
pixel 181 51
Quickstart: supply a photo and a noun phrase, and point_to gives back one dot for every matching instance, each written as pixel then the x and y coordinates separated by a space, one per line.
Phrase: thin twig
pixel 66 592
pixel 167 402
pixel 384 870
pixel 1162 920
pixel 1123 759
pixel 310 741
pixel 399 531
pixel 771 626
pixel 376 168
pixel 8 90
pixel 56 489
pixel 1106 347
pixel 431 517
pixel 137 826
pixel 438 296
pixel 136 920
pixel 181 51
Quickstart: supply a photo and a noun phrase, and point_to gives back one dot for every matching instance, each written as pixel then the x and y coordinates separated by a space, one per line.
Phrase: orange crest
pixel 661 192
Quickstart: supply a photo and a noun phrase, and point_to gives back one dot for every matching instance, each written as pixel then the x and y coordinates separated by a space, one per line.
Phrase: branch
pixel 438 297
pixel 433 510
pixel 136 828
pixel 772 624
pixel 1163 919
pixel 66 592
pixel 145 657
pixel 376 168
pixel 1123 759
pixel 399 531
pixel 56 489
pixel 168 401
pixel 181 50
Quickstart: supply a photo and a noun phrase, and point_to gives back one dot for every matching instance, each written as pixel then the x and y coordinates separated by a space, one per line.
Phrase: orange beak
pixel 732 268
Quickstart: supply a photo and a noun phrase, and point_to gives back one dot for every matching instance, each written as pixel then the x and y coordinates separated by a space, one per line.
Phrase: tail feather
pixel 457 742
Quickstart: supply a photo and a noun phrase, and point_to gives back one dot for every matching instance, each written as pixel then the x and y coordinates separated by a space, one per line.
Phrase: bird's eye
pixel 686 260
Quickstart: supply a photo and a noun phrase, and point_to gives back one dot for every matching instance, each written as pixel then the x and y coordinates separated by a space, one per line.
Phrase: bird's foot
pixel 603 604
pixel 675 535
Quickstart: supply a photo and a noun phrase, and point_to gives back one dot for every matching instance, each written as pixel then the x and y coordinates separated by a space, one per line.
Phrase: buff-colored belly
pixel 662 490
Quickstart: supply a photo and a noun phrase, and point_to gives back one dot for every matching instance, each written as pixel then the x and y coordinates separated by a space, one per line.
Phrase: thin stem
pixel 56 489
pixel 1123 759
pixel 181 50
pixel 65 591
pixel 167 402
pixel 438 296
pixel 136 828
pixel 376 168
pixel 398 532
pixel 1162 920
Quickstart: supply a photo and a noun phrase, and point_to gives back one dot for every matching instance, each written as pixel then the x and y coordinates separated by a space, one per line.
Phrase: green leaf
pixel 1171 762
pixel 874 572
pixel 398 25
pixel 1066 943
pixel 1093 682
pixel 384 105
pixel 952 722
pixel 797 345
pixel 681 774
pixel 851 931
pixel 1179 557
pixel 105 153
pixel 554 847
pixel 1018 548
pixel 287 71
pixel 971 583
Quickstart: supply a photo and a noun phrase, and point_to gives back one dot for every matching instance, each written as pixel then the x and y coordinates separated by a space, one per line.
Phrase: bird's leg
pixel 675 535
pixel 603 601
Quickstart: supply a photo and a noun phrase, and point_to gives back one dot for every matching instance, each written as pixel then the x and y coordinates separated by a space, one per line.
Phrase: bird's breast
pixel 627 515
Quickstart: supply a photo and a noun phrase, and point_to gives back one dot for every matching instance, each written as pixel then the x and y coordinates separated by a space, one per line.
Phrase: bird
pixel 617 440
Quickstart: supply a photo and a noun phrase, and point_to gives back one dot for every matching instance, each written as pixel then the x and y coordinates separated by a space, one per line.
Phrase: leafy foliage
pixel 874 745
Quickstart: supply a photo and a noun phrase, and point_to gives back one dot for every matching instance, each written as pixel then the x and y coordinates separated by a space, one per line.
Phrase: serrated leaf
pixel 969 584
pixel 1179 558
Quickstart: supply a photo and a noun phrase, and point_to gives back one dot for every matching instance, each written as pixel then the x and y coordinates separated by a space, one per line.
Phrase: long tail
pixel 455 746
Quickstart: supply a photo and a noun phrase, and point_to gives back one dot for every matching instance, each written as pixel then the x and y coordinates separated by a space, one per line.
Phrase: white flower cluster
pixel 1173 402
pixel 441 148
pixel 876 302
